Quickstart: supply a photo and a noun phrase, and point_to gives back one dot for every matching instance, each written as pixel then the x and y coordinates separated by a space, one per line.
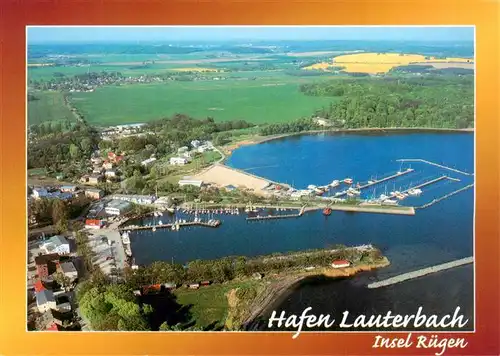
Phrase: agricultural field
pixel 48 106
pixel 272 99
pixel 374 63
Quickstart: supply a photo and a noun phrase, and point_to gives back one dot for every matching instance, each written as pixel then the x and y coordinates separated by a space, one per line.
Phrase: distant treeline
pixel 428 69
pixel 308 73
pixel 440 102
pixel 303 124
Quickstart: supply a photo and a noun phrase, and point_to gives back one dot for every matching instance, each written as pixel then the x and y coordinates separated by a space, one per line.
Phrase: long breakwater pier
pixel 434 164
pixel 421 272
pixel 445 197
pixel 281 216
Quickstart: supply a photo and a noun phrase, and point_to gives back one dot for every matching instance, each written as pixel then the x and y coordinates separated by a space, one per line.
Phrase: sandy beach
pixel 222 176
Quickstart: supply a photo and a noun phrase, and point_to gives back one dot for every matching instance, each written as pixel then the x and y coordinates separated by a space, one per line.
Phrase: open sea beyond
pixel 440 233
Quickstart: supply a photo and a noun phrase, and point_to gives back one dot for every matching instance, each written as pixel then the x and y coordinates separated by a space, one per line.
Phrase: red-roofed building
pixel 113 157
pixel 93 224
pixel 340 263
pixel 39 286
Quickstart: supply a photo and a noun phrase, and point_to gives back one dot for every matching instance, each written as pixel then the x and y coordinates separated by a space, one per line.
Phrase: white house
pixel 205 148
pixel 137 199
pixel 148 161
pixel 178 161
pixel 195 183
pixel 45 300
pixel 68 188
pixel 69 270
pixel 110 173
pixel 183 149
pixel 56 244
pixel 195 143
pixel 39 193
pixel 117 207
pixel 107 165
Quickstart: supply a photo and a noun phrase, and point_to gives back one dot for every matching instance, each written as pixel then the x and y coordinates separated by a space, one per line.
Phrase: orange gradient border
pixel 15 15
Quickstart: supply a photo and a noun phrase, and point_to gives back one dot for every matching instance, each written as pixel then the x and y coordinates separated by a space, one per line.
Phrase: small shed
pixel 340 264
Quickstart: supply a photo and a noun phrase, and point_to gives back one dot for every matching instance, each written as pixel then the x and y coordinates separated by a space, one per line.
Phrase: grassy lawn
pixel 210 304
pixel 270 99
pixel 49 107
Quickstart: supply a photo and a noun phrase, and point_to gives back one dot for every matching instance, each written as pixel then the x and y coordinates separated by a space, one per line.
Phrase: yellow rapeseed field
pixel 374 63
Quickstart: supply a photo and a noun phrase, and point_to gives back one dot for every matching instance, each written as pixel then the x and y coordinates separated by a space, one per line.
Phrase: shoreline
pixel 276 290
pixel 229 149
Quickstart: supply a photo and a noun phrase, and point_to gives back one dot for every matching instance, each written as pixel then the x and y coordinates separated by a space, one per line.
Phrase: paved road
pixel 103 250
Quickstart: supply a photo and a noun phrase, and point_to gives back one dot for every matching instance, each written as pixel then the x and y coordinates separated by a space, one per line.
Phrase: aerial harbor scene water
pixel 343 180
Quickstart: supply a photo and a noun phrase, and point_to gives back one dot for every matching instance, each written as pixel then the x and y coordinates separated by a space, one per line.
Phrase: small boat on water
pixel 318 191
pixel 171 209
pixel 327 211
pixel 390 202
pixel 353 191
pixel 415 192
pixel 334 184
pixel 338 194
pixel 371 182
pixel 153 229
pixel 348 181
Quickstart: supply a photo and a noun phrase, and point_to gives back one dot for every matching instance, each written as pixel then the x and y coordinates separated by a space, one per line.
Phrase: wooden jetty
pixel 274 217
pixel 421 272
pixel 435 164
pixel 445 197
pixel 215 223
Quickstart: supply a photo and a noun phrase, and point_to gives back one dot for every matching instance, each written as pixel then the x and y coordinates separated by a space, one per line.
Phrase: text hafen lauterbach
pixel 387 321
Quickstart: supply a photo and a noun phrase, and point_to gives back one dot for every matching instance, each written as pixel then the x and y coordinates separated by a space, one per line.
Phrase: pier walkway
pixel 444 197
pixel 422 272
pixel 274 217
pixel 434 164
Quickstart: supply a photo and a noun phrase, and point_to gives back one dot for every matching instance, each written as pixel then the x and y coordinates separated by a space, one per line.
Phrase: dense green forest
pixel 439 102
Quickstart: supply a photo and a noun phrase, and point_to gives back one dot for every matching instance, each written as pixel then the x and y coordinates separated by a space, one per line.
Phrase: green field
pixel 47 73
pixel 265 100
pixel 209 305
pixel 49 107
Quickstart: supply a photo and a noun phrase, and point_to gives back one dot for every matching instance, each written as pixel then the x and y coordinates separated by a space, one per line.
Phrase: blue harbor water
pixel 437 234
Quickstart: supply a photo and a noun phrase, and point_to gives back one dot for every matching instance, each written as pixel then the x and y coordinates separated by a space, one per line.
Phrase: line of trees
pixel 432 101
pixel 227 268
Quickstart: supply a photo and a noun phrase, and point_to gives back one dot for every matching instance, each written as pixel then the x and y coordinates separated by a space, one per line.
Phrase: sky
pixel 65 34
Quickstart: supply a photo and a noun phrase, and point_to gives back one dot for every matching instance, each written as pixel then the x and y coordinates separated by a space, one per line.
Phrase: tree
pixel 60 211
pixel 63 281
